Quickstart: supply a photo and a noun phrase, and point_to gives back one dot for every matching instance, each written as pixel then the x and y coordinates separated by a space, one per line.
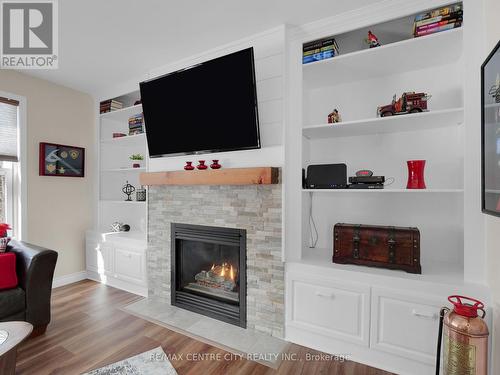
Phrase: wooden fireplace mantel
pixel 228 176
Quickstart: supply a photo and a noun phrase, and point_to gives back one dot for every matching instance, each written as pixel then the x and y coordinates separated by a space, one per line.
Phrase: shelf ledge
pixel 408 191
pixel 384 125
pixel 229 176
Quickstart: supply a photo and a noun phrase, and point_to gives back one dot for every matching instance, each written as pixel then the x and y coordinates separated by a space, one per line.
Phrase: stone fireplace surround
pixel 255 208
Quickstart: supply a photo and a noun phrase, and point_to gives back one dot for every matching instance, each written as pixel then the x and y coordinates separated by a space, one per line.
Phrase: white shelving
pixel 122 202
pixel 389 59
pixel 356 83
pixel 384 191
pixel 126 139
pixel 122 114
pixel 124 170
pixel 432 272
pixel 382 125
pixel 116 170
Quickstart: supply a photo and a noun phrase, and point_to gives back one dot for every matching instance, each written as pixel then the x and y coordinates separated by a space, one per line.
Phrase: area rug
pixel 153 362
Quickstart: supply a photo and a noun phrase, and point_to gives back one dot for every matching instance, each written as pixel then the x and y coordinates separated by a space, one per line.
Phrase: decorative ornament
pixel 201 165
pixel 62 170
pixel 74 154
pixel 416 174
pixel 372 40
pixel 495 90
pixel 215 164
pixel 64 154
pixel 128 190
pixel 140 194
pixel 189 166
pixel 115 227
pixel 334 117
pixel 51 168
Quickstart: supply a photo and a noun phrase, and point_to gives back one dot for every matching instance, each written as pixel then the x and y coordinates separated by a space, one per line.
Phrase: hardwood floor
pixel 88 331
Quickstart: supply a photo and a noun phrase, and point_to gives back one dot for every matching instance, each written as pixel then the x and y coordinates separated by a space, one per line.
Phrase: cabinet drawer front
pixel 331 308
pixel 405 325
pixel 129 265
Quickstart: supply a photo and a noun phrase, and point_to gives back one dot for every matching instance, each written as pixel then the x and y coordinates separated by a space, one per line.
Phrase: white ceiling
pixel 103 43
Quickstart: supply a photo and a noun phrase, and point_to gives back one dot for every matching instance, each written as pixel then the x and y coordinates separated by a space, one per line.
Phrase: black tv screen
pixel 208 107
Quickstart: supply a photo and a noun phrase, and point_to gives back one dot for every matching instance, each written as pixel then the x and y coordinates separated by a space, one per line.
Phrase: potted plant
pixel 4 240
pixel 136 160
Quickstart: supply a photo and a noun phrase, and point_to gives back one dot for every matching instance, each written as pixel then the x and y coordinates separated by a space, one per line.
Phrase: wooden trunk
pixel 377 246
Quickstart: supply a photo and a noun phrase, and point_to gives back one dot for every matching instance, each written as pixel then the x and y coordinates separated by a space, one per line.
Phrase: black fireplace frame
pixel 226 312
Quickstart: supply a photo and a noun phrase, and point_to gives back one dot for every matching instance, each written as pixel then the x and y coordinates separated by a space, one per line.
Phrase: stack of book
pixel 135 124
pixel 319 50
pixel 446 18
pixel 110 105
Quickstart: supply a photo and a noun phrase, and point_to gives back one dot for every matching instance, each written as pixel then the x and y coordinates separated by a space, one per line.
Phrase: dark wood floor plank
pixel 89 330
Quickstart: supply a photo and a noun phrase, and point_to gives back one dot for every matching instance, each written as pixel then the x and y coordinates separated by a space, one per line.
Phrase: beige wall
pixel 493 223
pixel 59 209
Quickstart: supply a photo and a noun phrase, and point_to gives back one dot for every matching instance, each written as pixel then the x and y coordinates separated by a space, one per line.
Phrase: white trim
pixel 69 279
pixel 118 284
pixel 22 151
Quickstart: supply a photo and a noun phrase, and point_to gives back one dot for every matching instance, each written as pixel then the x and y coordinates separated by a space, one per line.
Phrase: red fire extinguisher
pixel 465 336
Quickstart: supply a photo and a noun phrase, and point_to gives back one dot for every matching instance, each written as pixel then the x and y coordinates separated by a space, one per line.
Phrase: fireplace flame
pixel 223 270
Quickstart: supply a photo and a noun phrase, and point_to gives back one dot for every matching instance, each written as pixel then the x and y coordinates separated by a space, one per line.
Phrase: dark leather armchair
pixel 30 301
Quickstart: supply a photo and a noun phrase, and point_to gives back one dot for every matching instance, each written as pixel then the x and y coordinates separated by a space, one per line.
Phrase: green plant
pixel 136 157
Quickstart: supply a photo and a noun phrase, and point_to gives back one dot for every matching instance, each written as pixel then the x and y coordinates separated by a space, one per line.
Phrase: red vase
pixel 215 164
pixel 189 166
pixel 416 174
pixel 201 165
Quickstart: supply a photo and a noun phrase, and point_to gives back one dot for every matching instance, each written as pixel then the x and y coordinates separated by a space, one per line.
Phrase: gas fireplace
pixel 209 271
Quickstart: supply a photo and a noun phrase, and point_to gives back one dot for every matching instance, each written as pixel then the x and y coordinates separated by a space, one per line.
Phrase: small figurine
pixel 334 117
pixel 495 90
pixel 372 40
pixel 409 102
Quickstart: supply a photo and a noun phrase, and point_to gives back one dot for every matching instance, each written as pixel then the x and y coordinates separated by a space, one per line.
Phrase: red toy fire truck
pixel 409 102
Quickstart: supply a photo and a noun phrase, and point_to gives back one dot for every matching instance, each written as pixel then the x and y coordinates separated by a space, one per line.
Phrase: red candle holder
pixel 189 166
pixel 416 174
pixel 215 164
pixel 201 165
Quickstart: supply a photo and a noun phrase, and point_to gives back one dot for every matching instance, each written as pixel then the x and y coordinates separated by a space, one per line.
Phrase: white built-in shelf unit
pixel 116 169
pixel 356 82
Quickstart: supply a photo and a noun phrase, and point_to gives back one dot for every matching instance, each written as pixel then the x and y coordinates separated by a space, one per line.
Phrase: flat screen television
pixel 209 107
pixel 490 95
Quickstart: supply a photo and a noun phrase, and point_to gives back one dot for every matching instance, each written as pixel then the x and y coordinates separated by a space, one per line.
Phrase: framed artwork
pixel 490 133
pixel 61 160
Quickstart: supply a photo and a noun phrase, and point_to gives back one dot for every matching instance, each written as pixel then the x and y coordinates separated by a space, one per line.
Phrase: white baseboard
pixel 69 279
pixel 119 284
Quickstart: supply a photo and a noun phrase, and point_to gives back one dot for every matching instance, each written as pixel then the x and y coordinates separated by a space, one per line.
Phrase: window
pixel 9 158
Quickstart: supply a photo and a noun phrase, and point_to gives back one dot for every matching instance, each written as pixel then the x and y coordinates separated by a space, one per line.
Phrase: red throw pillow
pixel 8 276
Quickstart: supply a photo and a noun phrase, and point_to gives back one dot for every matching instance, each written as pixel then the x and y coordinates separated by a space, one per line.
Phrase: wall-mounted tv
pixel 209 107
pixel 490 97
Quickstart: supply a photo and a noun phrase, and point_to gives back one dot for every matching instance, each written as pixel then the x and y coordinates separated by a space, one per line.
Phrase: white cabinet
pixel 129 265
pixel 330 307
pixel 405 324
pixel 117 259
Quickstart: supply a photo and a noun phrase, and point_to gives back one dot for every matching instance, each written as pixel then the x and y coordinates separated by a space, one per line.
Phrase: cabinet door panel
pixel 331 308
pixel 405 325
pixel 129 265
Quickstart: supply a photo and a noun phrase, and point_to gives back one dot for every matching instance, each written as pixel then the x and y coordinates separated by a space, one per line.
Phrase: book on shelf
pixel 438 29
pixel 319 50
pixel 438 24
pixel 440 12
pixel 441 19
pixel 110 105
